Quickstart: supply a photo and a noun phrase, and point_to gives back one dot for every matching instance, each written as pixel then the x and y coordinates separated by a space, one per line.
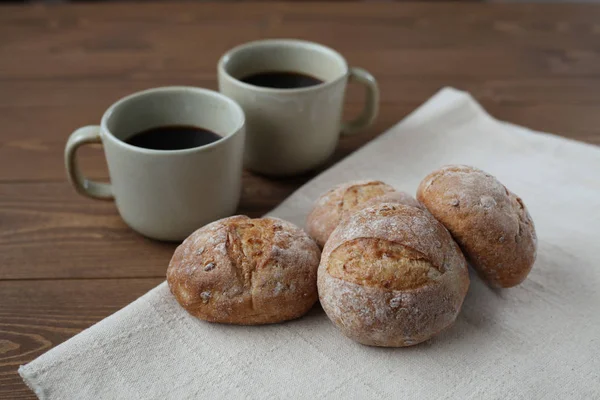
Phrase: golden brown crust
pixel 245 271
pixel 381 263
pixel 338 203
pixel 490 223
pixel 412 282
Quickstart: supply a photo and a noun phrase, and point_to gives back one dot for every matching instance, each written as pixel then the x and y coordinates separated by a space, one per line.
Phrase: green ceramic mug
pixel 166 194
pixel 290 131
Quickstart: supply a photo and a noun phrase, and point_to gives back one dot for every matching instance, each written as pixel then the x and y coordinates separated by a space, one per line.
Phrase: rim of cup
pixel 225 58
pixel 201 91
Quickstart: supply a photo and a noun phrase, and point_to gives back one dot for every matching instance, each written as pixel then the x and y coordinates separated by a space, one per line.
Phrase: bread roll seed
pixel 489 222
pixel 347 198
pixel 245 271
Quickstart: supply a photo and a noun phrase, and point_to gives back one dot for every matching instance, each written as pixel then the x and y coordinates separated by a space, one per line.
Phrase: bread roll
pixel 392 276
pixel 489 222
pixel 340 202
pixel 246 271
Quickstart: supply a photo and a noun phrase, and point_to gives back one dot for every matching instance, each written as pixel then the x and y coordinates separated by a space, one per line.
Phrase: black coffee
pixel 173 137
pixel 281 80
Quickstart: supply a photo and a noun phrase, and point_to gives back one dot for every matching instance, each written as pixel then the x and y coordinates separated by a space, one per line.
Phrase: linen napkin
pixel 538 340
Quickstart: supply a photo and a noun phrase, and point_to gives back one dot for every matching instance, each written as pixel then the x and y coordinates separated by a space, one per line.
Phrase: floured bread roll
pixel 391 275
pixel 340 202
pixel 246 271
pixel 489 222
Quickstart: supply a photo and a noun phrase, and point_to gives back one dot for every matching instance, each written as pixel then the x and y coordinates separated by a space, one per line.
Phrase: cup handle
pixel 369 112
pixel 96 190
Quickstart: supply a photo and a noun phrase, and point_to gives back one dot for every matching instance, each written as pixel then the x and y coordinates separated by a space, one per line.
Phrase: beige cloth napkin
pixel 540 340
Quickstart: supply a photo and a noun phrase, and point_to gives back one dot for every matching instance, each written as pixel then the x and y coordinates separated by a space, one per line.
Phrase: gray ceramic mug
pixel 166 194
pixel 290 131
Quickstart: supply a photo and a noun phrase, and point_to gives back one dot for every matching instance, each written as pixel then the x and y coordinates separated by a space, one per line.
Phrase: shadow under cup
pixel 168 194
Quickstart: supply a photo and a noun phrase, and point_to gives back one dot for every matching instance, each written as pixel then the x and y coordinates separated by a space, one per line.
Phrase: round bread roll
pixel 392 276
pixel 489 222
pixel 339 202
pixel 246 271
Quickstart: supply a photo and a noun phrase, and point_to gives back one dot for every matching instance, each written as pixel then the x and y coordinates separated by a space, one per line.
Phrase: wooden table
pixel 66 261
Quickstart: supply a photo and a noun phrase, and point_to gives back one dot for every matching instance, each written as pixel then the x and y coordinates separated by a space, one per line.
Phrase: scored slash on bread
pixel 391 275
pixel 246 271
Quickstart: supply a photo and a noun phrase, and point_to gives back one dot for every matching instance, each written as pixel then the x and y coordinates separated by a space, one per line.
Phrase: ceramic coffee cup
pixel 290 131
pixel 166 194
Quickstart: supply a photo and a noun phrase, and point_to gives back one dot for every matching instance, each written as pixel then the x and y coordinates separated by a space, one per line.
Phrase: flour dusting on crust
pixel 246 271
pixel 489 222
pixel 340 202
pixel 374 315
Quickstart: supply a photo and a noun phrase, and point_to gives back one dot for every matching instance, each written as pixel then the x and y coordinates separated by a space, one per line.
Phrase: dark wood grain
pixel 38 315
pixel 67 261
pixel 50 232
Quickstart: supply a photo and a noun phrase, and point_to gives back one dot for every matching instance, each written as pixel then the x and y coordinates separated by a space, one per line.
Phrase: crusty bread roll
pixel 489 222
pixel 391 275
pixel 246 271
pixel 339 202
